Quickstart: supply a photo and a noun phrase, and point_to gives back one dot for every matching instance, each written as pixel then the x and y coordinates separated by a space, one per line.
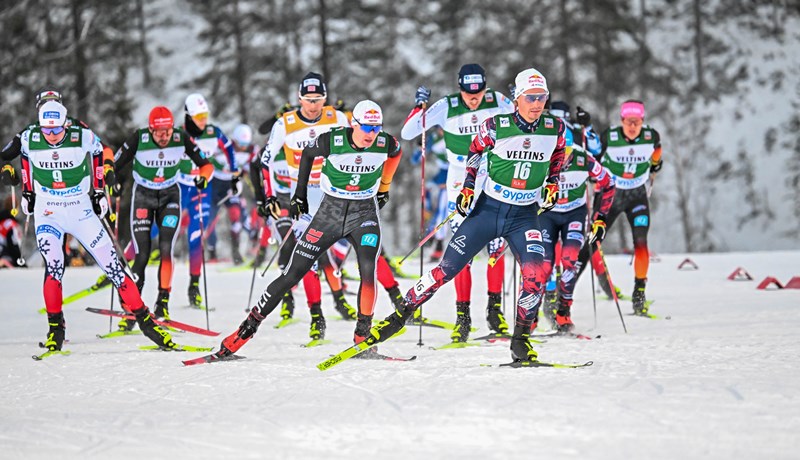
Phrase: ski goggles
pixel 370 128
pixel 313 100
pixel 50 131
pixel 538 97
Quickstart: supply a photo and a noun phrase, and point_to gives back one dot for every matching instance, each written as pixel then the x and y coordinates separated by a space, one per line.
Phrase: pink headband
pixel 632 109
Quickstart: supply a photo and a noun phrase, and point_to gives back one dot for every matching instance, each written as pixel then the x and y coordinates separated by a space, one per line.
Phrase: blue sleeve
pixel 226 145
pixel 593 143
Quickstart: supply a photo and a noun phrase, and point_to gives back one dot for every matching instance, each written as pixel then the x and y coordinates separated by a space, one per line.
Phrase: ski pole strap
pixel 428 236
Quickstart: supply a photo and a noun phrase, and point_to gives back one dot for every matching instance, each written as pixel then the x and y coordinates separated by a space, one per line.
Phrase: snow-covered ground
pixel 718 380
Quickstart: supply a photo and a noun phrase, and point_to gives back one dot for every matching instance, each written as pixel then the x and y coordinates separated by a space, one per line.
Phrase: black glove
pixel 236 186
pixel 269 207
pixel 298 206
pixel 656 166
pixel 598 232
pixel 582 117
pixel 383 198
pixel 28 202
pixel 200 182
pixel 114 187
pixel 8 176
pixel 99 203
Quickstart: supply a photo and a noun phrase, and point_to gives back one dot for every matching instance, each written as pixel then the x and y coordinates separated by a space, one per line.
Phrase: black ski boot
pixel 159 336
pixel 55 336
pixel 550 305
pixel 521 349
pixel 395 296
pixel 638 298
pixel 162 304
pixel 125 324
pixel 317 330
pixel 363 325
pixel 463 323
pixel 287 307
pixel 195 299
pixel 235 254
pixel 212 255
pixel 261 255
pixel 343 307
pixel 391 325
pixel 494 315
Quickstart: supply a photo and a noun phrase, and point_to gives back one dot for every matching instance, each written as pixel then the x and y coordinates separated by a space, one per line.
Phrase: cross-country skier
pixel 566 222
pixel 525 151
pixel 63 190
pixel 292 132
pixel 156 153
pixel 460 114
pixel 195 198
pixel 360 162
pixel 632 154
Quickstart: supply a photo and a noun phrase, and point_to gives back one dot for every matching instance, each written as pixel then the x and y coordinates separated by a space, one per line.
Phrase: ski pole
pixel 611 284
pixel 14 210
pixel 21 258
pixel 421 213
pixel 255 269
pixel 278 251
pixel 428 236
pixel 115 218
pixel 203 258
pixel 590 211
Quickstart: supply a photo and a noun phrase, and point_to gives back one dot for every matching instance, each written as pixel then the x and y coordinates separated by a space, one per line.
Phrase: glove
pixel 549 196
pixel 598 230
pixel 582 117
pixel 656 166
pixel 464 201
pixel 236 186
pixel 269 207
pixel 339 105
pixel 383 198
pixel 114 187
pixel 284 108
pixel 422 96
pixel 298 206
pixel 200 182
pixel 28 203
pixel 8 176
pixel 99 203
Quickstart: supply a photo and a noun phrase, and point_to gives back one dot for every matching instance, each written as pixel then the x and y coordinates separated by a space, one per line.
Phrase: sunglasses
pixel 312 100
pixel 536 97
pixel 370 128
pixel 49 131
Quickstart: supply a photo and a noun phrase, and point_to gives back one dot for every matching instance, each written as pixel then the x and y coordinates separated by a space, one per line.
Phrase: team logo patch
pixel 141 213
pixel 460 241
pixel 210 130
pixel 537 248
pixel 575 236
pixel 74 137
pixel 631 152
pixel 648 135
pixel 575 226
pixel 526 144
pixel 381 142
pixel 55 155
pixel 176 137
pixel 312 133
pixel 641 221
pixel 359 160
pixel 370 239
pixel 312 236
pixel 329 114
pixel 636 209
pixel 614 136
pixel 170 221
pixel 338 141
pixel 548 123
pixel 35 137
pixel 533 235
pixel 48 229
pixel 47 212
pixel 453 102
pixel 504 123
pixel 474 119
pixel 369 223
pixel 580 160
pixel 145 137
pixel 160 155
pixel 489 97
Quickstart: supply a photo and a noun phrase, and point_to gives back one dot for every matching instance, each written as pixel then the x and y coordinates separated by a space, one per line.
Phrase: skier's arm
pixel 320 148
pixel 91 143
pixel 255 178
pixel 226 146
pixel 603 145
pixel 655 159
pixel 390 165
pixel 557 158
pixel 25 168
pixel 487 134
pixel 435 115
pixel 198 157
pixel 127 151
pixel 506 105
pixel 605 185
pixel 12 149
pixel 271 150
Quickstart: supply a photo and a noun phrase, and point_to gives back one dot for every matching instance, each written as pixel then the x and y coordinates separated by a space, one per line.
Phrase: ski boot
pixel 363 325
pixel 395 296
pixel 237 257
pixel 391 325
pixel 125 324
pixel 550 302
pixel 287 306
pixel 343 307
pixel 212 255
pixel 162 304
pixel 494 316
pixel 247 329
pixel 638 298
pixel 195 299
pixel 159 336
pixel 55 336
pixel 602 280
pixel 317 330
pixel 521 349
pixel 463 323
pixel 564 323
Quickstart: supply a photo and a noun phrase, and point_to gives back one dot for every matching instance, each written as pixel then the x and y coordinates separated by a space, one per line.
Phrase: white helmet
pixel 242 135
pixel 195 104
pixel 52 114
pixel 367 112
